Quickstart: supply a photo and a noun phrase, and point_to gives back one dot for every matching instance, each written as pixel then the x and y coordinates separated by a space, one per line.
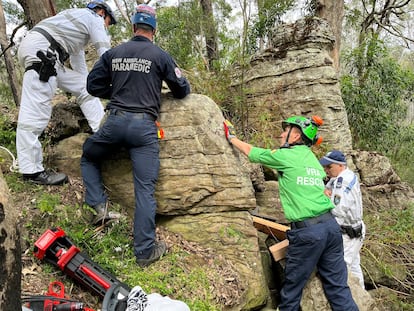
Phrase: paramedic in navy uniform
pixel 130 76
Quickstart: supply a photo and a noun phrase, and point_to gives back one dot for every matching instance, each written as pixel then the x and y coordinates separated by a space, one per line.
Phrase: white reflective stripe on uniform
pixel 352 183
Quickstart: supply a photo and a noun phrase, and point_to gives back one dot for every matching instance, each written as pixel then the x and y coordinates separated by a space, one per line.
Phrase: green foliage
pixel 389 243
pixel 376 92
pixel 269 14
pixel 7 134
pixel 264 137
pixel 178 33
pixel 15 183
pixel 182 30
pixel 47 202
pixel 113 250
pixel 6 94
pixel 66 4
pixel 395 225
pixel 12 11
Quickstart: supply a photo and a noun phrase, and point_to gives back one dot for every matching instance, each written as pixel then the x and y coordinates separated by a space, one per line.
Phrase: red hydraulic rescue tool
pixel 55 247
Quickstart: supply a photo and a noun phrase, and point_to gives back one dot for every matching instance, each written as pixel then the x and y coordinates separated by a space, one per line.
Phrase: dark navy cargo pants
pixel 138 134
pixel 317 246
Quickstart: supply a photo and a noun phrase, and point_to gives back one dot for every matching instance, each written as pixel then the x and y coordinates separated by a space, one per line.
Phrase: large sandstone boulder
pixel 295 77
pixel 199 172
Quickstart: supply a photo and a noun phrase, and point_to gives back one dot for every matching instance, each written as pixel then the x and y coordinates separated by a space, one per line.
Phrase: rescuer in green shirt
pixel 315 238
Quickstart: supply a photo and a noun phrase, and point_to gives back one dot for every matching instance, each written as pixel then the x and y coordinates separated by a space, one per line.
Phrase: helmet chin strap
pixel 286 144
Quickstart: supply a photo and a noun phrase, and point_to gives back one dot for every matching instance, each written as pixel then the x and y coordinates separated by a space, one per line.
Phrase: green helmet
pixel 308 127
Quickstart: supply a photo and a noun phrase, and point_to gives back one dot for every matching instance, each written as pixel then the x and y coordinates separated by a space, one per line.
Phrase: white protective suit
pixel 73 29
pixel 346 196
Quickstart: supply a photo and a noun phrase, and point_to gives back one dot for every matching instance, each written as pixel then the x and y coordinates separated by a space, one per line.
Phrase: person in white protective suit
pixel 344 190
pixel 42 53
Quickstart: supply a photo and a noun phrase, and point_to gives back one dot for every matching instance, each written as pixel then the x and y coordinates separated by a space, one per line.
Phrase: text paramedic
pixel 131 64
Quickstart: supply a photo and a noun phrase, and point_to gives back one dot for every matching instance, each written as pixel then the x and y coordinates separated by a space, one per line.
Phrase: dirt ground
pixel 37 276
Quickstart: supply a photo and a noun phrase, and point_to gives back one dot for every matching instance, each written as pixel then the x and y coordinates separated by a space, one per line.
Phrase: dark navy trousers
pixel 317 246
pixel 138 134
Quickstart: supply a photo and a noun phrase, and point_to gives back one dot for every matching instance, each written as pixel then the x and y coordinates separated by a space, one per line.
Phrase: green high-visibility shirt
pixel 300 179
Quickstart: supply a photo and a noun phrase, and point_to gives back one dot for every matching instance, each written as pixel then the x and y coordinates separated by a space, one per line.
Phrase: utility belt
pixel 353 233
pixel 135 115
pixel 54 45
pixel 312 221
pixel 139 116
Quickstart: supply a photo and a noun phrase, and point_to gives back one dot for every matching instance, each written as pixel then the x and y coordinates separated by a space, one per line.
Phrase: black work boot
pixel 102 214
pixel 46 178
pixel 159 249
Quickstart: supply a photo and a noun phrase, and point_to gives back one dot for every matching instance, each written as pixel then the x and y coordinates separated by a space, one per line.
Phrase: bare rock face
pixel 382 188
pixel 198 172
pixel 66 120
pixel 296 77
pixel 268 203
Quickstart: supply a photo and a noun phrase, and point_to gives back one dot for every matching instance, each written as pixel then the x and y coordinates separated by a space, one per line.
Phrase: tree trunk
pixel 36 10
pixel 10 252
pixel 8 59
pixel 333 12
pixel 210 31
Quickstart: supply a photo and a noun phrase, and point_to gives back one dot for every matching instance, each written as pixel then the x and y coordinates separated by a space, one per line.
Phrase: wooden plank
pixel 278 250
pixel 270 227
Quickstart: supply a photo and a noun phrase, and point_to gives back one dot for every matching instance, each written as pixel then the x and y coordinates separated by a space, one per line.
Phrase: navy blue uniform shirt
pixel 131 76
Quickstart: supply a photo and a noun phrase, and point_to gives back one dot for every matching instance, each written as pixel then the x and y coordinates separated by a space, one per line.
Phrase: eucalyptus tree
pixel 5 45
pixel 36 10
pixel 333 13
pixel 269 14
pixel 193 31
pixel 210 30
pixel 385 20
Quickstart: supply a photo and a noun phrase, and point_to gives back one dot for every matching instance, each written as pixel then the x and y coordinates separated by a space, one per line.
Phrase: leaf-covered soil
pixel 40 212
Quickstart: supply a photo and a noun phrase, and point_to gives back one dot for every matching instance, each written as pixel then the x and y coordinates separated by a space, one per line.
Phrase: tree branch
pixel 12 38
